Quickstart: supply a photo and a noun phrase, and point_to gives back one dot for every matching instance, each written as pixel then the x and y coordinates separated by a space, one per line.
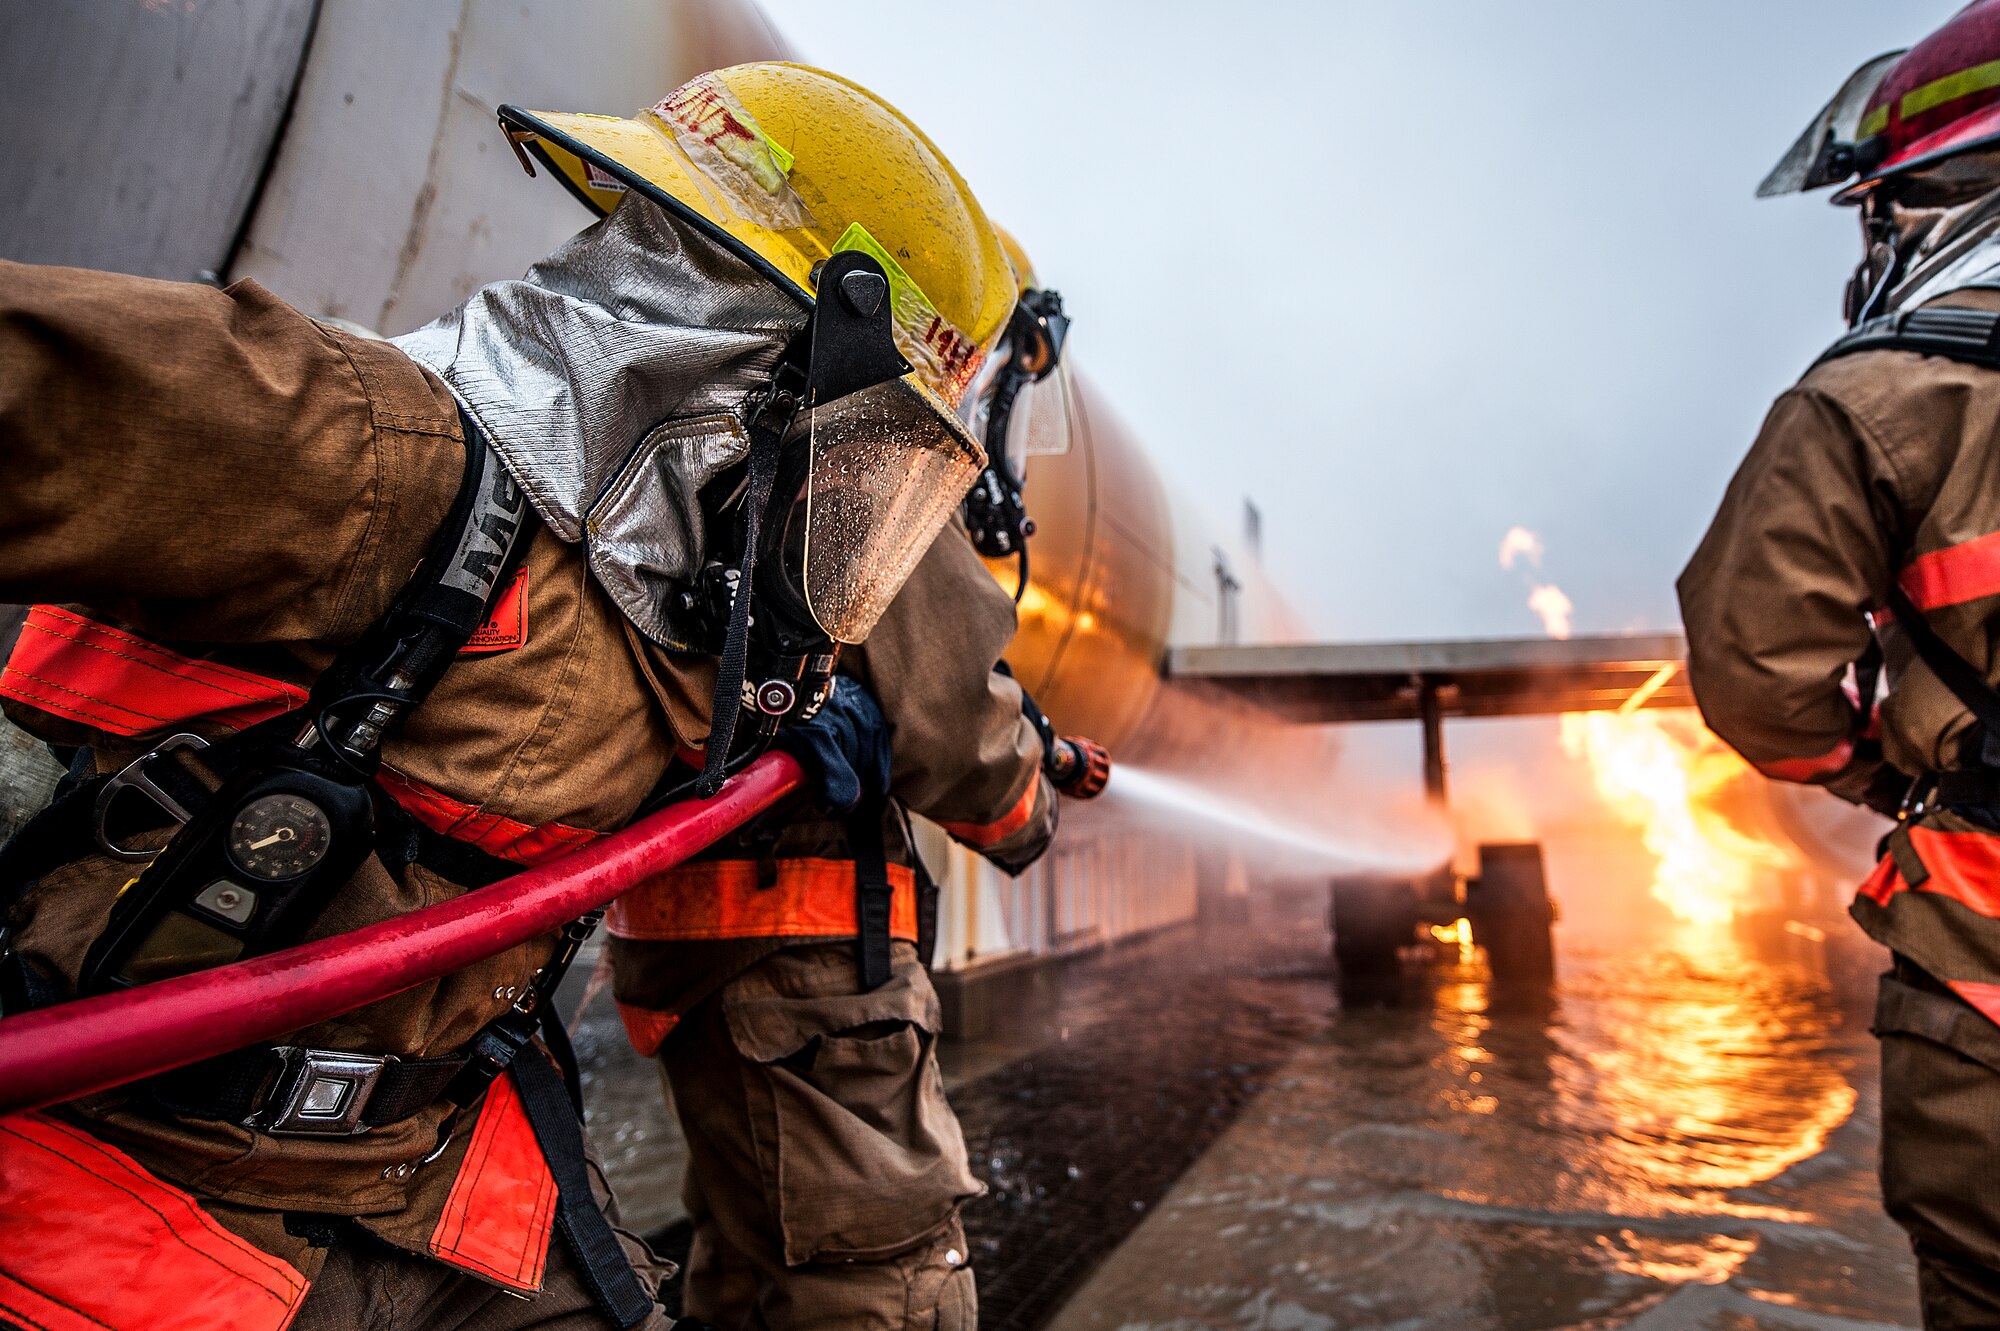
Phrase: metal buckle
pixel 320 1093
pixel 134 777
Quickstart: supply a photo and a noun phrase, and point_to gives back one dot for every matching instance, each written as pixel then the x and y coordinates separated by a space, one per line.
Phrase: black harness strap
pixel 580 1220
pixel 1953 671
pixel 927 893
pixel 1972 336
pixel 242 1083
pixel 766 442
pixel 874 895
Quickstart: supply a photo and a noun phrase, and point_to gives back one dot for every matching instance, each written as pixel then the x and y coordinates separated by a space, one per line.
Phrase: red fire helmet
pixel 1904 112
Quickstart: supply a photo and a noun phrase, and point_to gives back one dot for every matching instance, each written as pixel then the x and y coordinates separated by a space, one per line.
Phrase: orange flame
pixel 1665 774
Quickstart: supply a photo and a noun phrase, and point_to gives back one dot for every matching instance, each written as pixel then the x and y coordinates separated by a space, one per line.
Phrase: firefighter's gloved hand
pixel 845 748
pixel 1079 767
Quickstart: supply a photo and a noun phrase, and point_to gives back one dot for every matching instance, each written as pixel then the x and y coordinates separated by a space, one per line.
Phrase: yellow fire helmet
pixel 1017 258
pixel 788 165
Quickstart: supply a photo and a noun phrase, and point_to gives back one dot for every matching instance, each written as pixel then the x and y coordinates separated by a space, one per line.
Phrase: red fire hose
pixel 96 1043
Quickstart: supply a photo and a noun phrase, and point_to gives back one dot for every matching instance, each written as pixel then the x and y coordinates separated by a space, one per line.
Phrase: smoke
pixel 1520 543
pixel 1549 602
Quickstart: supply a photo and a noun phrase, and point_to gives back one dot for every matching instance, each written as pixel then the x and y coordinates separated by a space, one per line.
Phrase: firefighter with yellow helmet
pixel 648 492
pixel 779 977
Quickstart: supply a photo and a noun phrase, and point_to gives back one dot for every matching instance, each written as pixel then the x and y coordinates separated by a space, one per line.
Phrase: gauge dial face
pixel 279 836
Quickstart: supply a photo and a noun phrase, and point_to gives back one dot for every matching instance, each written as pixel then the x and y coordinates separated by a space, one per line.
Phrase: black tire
pixel 1512 916
pixel 1372 921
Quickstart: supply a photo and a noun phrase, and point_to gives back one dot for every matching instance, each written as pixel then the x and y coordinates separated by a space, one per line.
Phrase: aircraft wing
pixel 1319 683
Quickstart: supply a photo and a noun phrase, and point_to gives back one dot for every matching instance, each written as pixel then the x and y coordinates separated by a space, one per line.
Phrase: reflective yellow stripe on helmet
pixel 1949 89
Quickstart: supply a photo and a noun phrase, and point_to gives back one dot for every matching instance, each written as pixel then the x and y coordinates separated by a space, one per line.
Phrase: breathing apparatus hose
pixel 92 1044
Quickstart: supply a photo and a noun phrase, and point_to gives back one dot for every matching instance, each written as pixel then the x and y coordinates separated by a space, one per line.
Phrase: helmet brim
pixel 1981 129
pixel 578 154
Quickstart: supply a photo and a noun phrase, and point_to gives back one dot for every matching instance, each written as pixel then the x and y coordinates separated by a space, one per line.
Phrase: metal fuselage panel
pixel 394 196
pixel 141 132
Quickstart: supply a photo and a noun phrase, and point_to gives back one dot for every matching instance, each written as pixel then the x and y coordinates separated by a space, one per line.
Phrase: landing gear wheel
pixel 1512 915
pixel 1372 921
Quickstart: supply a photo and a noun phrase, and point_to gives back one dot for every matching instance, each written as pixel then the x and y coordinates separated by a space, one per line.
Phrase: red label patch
pixel 507 626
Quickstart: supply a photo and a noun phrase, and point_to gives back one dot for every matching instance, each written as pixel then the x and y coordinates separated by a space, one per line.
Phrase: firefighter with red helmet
pixel 1860 542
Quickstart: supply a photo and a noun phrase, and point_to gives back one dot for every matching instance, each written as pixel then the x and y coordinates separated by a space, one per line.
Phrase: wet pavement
pixel 1194 1135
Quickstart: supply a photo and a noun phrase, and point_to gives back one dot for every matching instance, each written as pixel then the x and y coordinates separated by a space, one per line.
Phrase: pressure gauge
pixel 279 836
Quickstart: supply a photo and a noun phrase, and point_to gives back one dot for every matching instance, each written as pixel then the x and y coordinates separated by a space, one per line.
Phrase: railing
pixel 93 1044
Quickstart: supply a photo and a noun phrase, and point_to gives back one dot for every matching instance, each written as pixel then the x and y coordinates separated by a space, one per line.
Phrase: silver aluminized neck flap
pixel 611 379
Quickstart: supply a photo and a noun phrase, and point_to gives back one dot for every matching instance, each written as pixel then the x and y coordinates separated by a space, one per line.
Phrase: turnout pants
pixel 825 1169
pixel 1941 1145
pixel 367 1285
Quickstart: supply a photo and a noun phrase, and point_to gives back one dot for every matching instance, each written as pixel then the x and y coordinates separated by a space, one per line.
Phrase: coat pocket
pixel 861 1155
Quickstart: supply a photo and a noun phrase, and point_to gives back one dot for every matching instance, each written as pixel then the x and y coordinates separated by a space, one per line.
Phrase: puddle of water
pixel 1685 1138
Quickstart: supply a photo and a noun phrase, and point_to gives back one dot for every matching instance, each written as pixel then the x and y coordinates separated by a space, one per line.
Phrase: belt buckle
pixel 133 777
pixel 321 1093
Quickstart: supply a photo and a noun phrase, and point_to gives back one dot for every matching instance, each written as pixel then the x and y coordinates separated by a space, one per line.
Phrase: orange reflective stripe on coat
pixel 1964 866
pixel 500 836
pixel 89 1240
pixel 1954 575
pixel 121 684
pixel 1802 770
pixel 496 1223
pixel 985 836
pixel 710 899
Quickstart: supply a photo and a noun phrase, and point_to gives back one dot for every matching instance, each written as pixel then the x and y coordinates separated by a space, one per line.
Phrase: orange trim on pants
pixel 90 1240
pixel 647 1028
pixel 713 899
pixel 497 1220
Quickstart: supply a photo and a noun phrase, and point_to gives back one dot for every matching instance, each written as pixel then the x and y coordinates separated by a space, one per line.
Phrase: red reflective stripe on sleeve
pixel 646 1028
pixel 90 1240
pixel 1955 574
pixel 1883 883
pixel 1805 769
pixel 984 836
pixel 496 834
pixel 709 899
pixel 119 683
pixel 1964 866
pixel 1985 997
pixel 496 1222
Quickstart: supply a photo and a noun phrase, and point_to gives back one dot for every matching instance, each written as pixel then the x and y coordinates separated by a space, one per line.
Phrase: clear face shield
pixel 854 465
pixel 887 467
pixel 1825 153
pixel 1914 226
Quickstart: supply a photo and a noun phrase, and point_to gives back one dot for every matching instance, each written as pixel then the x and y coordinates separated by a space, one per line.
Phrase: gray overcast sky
pixel 1411 273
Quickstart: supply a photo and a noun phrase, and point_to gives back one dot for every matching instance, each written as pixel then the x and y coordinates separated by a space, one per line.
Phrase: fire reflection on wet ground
pixel 1192 1134
pixel 1686 1139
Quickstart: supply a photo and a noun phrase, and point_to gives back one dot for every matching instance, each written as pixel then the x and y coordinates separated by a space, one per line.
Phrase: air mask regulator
pixel 995 515
pixel 777 662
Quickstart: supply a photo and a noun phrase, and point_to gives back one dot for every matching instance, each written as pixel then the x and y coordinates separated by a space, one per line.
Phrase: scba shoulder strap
pixel 367 688
pixel 1971 336
pixel 253 864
